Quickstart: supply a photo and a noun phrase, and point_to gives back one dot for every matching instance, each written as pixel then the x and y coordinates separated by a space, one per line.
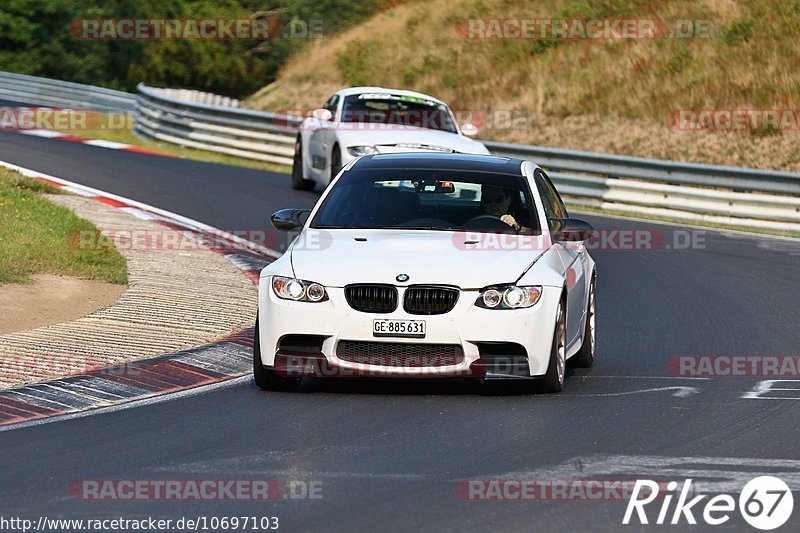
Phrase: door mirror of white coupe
pixel 469 130
pixel 289 219
pixel 571 229
pixel 322 114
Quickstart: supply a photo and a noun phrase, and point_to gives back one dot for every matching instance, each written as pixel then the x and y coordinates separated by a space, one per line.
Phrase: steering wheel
pixel 485 222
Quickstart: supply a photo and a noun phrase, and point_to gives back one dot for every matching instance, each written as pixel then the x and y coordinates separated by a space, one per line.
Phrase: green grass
pixel 356 63
pixel 37 236
pixel 119 128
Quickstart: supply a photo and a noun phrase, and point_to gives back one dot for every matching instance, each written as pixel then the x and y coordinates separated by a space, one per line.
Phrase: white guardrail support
pixel 691 192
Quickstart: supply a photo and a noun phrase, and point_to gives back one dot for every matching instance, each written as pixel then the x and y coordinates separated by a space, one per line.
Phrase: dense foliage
pixel 35 39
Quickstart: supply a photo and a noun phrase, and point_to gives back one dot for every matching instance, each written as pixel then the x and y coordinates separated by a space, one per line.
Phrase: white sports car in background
pixel 429 265
pixel 373 120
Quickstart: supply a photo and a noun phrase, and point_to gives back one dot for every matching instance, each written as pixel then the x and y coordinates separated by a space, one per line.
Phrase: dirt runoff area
pixel 52 299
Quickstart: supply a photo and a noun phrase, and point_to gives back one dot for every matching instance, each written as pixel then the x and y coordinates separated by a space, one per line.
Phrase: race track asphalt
pixel 389 455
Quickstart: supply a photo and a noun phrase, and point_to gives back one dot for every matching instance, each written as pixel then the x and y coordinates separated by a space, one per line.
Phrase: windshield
pixel 429 199
pixel 397 110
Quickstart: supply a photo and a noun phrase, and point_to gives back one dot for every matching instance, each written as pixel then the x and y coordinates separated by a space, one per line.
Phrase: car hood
pixel 335 258
pixel 387 137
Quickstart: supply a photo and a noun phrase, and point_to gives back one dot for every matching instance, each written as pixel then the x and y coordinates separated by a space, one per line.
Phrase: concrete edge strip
pixel 110 387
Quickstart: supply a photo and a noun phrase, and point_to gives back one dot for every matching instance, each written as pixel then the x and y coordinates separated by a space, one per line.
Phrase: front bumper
pixel 482 335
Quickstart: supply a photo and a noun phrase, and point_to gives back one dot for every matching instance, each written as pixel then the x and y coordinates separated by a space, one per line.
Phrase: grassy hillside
pixel 591 94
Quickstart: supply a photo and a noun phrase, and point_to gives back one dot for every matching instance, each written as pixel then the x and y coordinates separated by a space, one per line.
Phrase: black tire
pixel 265 378
pixel 556 369
pixel 299 182
pixel 336 162
pixel 585 356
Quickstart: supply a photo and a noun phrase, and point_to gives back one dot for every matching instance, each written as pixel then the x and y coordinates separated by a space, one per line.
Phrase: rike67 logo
pixel 765 503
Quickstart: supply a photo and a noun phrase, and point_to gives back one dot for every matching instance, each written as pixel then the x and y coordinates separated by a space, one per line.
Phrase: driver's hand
pixel 510 220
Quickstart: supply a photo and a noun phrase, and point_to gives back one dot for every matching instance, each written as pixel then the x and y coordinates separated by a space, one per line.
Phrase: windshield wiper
pixel 338 226
pixel 432 228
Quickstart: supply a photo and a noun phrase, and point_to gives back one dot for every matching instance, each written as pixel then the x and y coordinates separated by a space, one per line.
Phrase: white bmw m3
pixel 372 120
pixel 429 265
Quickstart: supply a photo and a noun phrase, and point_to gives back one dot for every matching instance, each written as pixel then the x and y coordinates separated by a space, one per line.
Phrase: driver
pixel 495 201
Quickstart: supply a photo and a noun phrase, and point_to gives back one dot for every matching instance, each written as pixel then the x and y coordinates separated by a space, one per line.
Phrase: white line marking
pixel 43 133
pixel 106 144
pixel 139 213
pixel 766 386
pixel 75 190
pixel 680 392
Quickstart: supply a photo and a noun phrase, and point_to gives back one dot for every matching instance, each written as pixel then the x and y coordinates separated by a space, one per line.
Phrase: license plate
pixel 389 327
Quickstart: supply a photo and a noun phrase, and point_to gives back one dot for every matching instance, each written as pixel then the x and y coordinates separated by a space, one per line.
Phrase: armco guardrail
pixel 660 170
pixel 749 198
pixel 54 93
pixel 229 130
pixel 746 197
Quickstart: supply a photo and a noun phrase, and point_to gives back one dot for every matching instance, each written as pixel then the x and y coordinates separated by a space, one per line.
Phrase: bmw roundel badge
pixel 402 278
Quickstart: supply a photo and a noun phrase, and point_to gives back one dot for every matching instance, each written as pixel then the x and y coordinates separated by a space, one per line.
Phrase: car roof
pixel 383 90
pixel 431 160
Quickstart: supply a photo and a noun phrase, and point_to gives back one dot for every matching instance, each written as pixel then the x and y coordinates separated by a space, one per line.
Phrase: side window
pixel 561 209
pixel 553 206
pixel 331 104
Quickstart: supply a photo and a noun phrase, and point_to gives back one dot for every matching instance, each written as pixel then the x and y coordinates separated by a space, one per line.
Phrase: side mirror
pixel 288 219
pixel 572 229
pixel 322 114
pixel 469 130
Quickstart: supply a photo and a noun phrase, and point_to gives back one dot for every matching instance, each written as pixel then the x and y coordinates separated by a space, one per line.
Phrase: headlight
pixel 298 290
pixel 509 297
pixel 358 151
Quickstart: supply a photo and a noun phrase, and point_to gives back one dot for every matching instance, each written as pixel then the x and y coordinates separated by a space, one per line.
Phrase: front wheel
pixel 299 182
pixel 265 378
pixel 556 369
